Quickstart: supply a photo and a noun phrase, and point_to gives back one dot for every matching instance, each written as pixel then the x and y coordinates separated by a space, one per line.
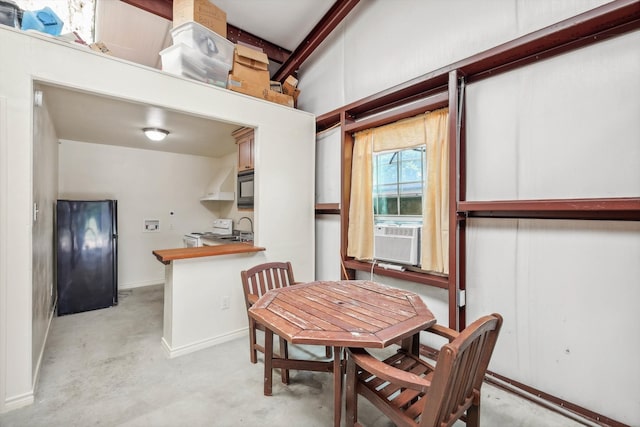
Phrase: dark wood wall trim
pixel 551 402
pixel 614 209
pixel 274 52
pixel 327 208
pixel 162 8
pixel 318 34
pixel 456 311
pixel 433 102
pixel 412 276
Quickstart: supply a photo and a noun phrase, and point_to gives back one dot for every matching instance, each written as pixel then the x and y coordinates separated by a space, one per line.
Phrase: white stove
pixel 221 227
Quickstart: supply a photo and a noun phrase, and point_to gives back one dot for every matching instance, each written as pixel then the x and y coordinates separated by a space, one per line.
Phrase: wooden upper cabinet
pixel 244 139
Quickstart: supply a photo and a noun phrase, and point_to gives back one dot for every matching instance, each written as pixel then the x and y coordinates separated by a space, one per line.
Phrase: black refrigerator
pixel 86 255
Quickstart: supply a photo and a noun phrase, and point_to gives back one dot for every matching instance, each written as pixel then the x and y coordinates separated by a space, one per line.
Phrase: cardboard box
pixel 236 84
pixel 250 65
pixel 248 88
pixel 290 87
pixel 201 11
pixel 287 89
pixel 279 98
pixel 100 47
pixel 276 86
pixel 292 81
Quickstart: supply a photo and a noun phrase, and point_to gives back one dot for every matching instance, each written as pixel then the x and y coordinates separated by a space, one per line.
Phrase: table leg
pixel 268 360
pixel 337 385
pixel 412 344
pixel 415 344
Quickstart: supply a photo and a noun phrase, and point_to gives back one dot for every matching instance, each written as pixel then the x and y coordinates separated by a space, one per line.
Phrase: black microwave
pixel 245 189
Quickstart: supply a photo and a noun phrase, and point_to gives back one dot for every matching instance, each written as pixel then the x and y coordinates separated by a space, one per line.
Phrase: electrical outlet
pixel 224 303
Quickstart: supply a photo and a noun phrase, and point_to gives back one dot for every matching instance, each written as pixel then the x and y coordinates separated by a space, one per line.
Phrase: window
pixel 390 184
pixel 398 183
pixel 76 15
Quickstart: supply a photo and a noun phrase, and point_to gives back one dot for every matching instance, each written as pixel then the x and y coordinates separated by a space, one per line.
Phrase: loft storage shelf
pixel 626 209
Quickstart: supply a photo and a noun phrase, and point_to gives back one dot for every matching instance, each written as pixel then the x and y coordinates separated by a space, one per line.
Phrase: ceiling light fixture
pixel 155 134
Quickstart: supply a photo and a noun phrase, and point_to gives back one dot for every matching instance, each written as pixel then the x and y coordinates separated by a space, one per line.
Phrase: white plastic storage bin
pixel 208 42
pixel 186 61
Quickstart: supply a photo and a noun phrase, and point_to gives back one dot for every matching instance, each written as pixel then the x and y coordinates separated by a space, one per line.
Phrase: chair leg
pixel 252 341
pixel 473 416
pixel 327 352
pixel 284 353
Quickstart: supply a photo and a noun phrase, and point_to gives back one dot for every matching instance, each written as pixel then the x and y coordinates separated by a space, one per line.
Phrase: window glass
pixel 398 182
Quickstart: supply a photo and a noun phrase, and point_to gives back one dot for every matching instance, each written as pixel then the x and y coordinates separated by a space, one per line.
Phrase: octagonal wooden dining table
pixel 347 313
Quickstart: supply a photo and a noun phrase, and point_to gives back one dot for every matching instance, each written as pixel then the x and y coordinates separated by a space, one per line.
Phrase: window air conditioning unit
pixel 395 243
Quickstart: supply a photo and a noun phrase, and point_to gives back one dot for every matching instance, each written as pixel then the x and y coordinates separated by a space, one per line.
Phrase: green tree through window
pixel 398 182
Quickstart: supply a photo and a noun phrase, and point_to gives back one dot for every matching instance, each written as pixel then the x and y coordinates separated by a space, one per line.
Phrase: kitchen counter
pixel 165 256
pixel 203 297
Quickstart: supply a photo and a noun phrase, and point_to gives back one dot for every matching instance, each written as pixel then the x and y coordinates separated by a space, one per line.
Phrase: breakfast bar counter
pixel 165 256
pixel 203 297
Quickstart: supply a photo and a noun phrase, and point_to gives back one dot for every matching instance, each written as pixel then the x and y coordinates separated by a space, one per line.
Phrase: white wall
pixel 568 110
pixel 568 292
pixel 523 127
pixel 45 191
pixel 147 185
pixel 4 245
pixel 384 43
pixel 328 191
pixel 284 195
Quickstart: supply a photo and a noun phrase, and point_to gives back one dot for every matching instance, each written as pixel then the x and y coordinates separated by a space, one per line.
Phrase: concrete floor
pixel 107 368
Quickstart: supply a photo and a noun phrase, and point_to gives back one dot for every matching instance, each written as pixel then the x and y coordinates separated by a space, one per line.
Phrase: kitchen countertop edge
pixel 165 256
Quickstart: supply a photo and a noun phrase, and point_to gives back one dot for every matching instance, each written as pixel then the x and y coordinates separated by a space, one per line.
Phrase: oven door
pixel 191 241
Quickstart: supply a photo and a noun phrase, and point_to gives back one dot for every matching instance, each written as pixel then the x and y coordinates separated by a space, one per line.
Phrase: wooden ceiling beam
pixel 162 8
pixel 318 34
pixel 274 52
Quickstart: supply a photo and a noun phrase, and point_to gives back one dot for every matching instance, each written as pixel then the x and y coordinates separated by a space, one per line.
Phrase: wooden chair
pixel 256 281
pixel 412 392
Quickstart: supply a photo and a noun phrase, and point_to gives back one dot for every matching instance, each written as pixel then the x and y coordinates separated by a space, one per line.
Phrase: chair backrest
pixel 257 280
pixel 459 372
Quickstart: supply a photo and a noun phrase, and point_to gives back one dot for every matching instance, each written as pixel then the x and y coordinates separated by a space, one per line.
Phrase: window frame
pixel 399 218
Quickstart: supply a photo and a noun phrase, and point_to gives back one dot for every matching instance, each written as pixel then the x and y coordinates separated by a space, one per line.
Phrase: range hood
pixel 221 186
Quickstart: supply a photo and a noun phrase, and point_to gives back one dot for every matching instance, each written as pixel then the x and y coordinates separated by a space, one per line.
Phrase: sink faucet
pixel 248 219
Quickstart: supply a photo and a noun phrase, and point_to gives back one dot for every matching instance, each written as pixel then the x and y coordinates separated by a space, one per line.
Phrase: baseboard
pixel 36 374
pixel 210 342
pixel 19 401
pixel 140 284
